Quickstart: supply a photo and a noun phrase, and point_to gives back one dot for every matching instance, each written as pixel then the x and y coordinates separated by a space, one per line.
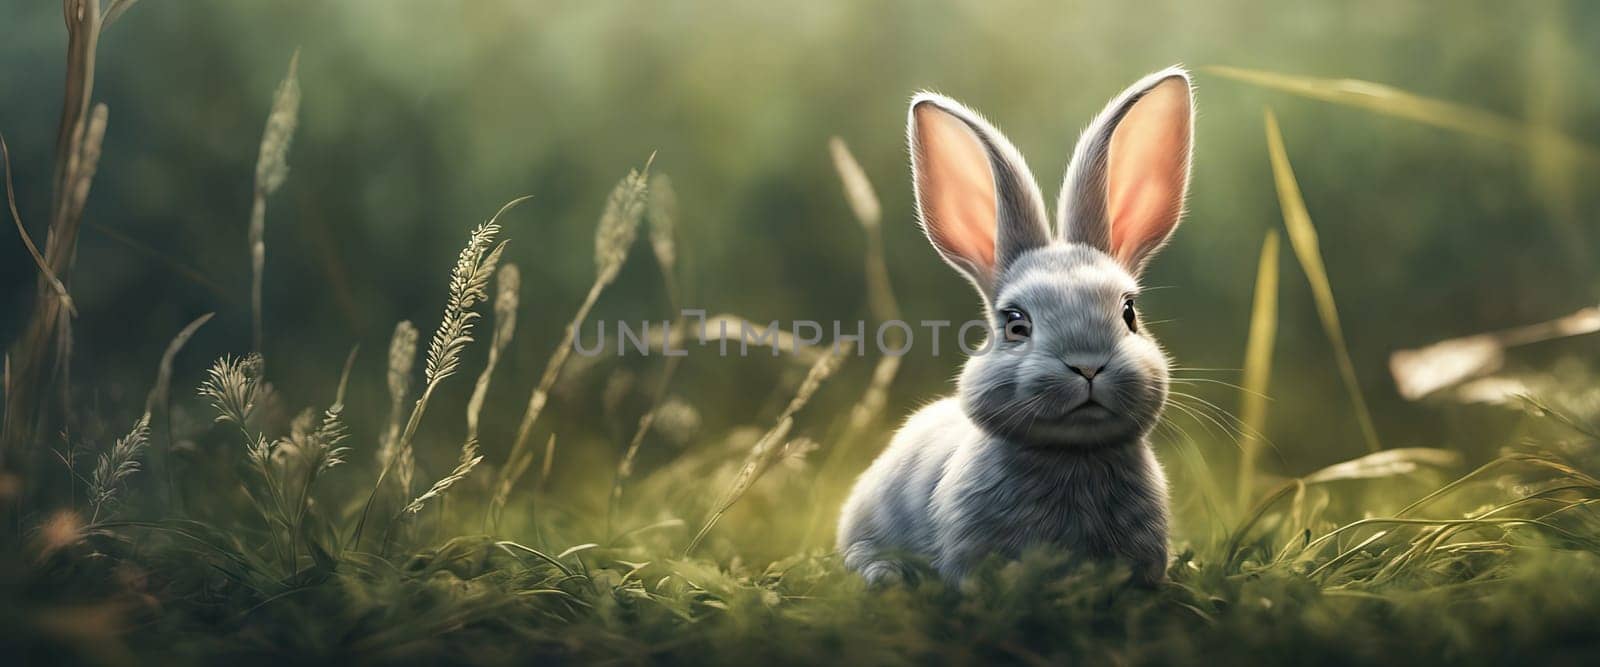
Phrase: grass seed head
pixel 469 285
pixel 272 164
pixel 233 387
pixel 508 287
pixel 619 225
pixel 857 188
pixel 117 465
pixel 469 460
pixel 663 217
pixel 402 359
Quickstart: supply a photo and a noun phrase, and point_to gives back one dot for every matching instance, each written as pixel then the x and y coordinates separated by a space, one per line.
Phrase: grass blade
pixel 1303 238
pixel 1390 101
pixel 22 231
pixel 272 168
pixel 1387 463
pixel 161 391
pixel 1258 365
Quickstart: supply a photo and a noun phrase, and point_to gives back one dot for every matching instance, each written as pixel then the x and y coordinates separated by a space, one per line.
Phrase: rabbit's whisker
pixel 1201 417
pixel 1239 426
pixel 1230 385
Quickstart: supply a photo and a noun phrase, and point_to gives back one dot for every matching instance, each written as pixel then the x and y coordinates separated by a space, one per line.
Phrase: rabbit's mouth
pixel 1089 408
pixel 1088 423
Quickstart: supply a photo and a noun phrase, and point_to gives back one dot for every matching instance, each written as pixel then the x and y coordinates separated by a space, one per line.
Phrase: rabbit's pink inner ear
pixel 1148 171
pixel 955 189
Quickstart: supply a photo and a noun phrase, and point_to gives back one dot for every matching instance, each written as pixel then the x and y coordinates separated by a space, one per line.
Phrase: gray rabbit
pixel 1046 440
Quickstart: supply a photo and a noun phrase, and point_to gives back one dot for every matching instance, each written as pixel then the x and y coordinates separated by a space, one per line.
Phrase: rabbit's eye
pixel 1129 317
pixel 1018 326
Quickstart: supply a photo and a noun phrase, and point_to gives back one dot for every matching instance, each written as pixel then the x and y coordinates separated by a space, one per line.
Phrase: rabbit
pixel 1046 442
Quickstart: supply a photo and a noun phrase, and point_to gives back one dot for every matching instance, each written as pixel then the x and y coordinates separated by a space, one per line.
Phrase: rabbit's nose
pixel 1087 372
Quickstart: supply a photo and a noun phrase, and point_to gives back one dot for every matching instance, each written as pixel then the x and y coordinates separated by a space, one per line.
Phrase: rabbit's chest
pixel 1084 504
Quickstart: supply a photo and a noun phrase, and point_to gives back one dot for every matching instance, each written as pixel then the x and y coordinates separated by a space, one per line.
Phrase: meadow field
pixel 292 288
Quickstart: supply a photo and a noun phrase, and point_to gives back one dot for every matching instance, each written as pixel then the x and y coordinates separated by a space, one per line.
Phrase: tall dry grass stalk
pixel 767 449
pixel 85 162
pixel 881 302
pixel 863 201
pixel 469 286
pixel 402 359
pixel 22 231
pixel 41 356
pixel 115 466
pixel 507 285
pixel 880 293
pixel 614 236
pixel 663 219
pixel 1303 239
pixel 272 168
pixel 75 132
pixel 1257 367
pixel 545 465
pixel 344 375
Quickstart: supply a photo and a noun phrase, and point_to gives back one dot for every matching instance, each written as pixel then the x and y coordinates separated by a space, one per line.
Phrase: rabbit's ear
pixel 1129 174
pixel 976 199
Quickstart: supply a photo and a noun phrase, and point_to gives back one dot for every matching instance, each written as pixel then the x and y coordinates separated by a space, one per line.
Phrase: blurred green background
pixel 419 119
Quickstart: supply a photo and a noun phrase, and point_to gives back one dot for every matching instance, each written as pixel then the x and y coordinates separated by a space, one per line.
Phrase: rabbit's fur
pixel 1019 457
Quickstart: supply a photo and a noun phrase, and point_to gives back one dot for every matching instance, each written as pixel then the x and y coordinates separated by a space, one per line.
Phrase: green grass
pixel 1512 581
